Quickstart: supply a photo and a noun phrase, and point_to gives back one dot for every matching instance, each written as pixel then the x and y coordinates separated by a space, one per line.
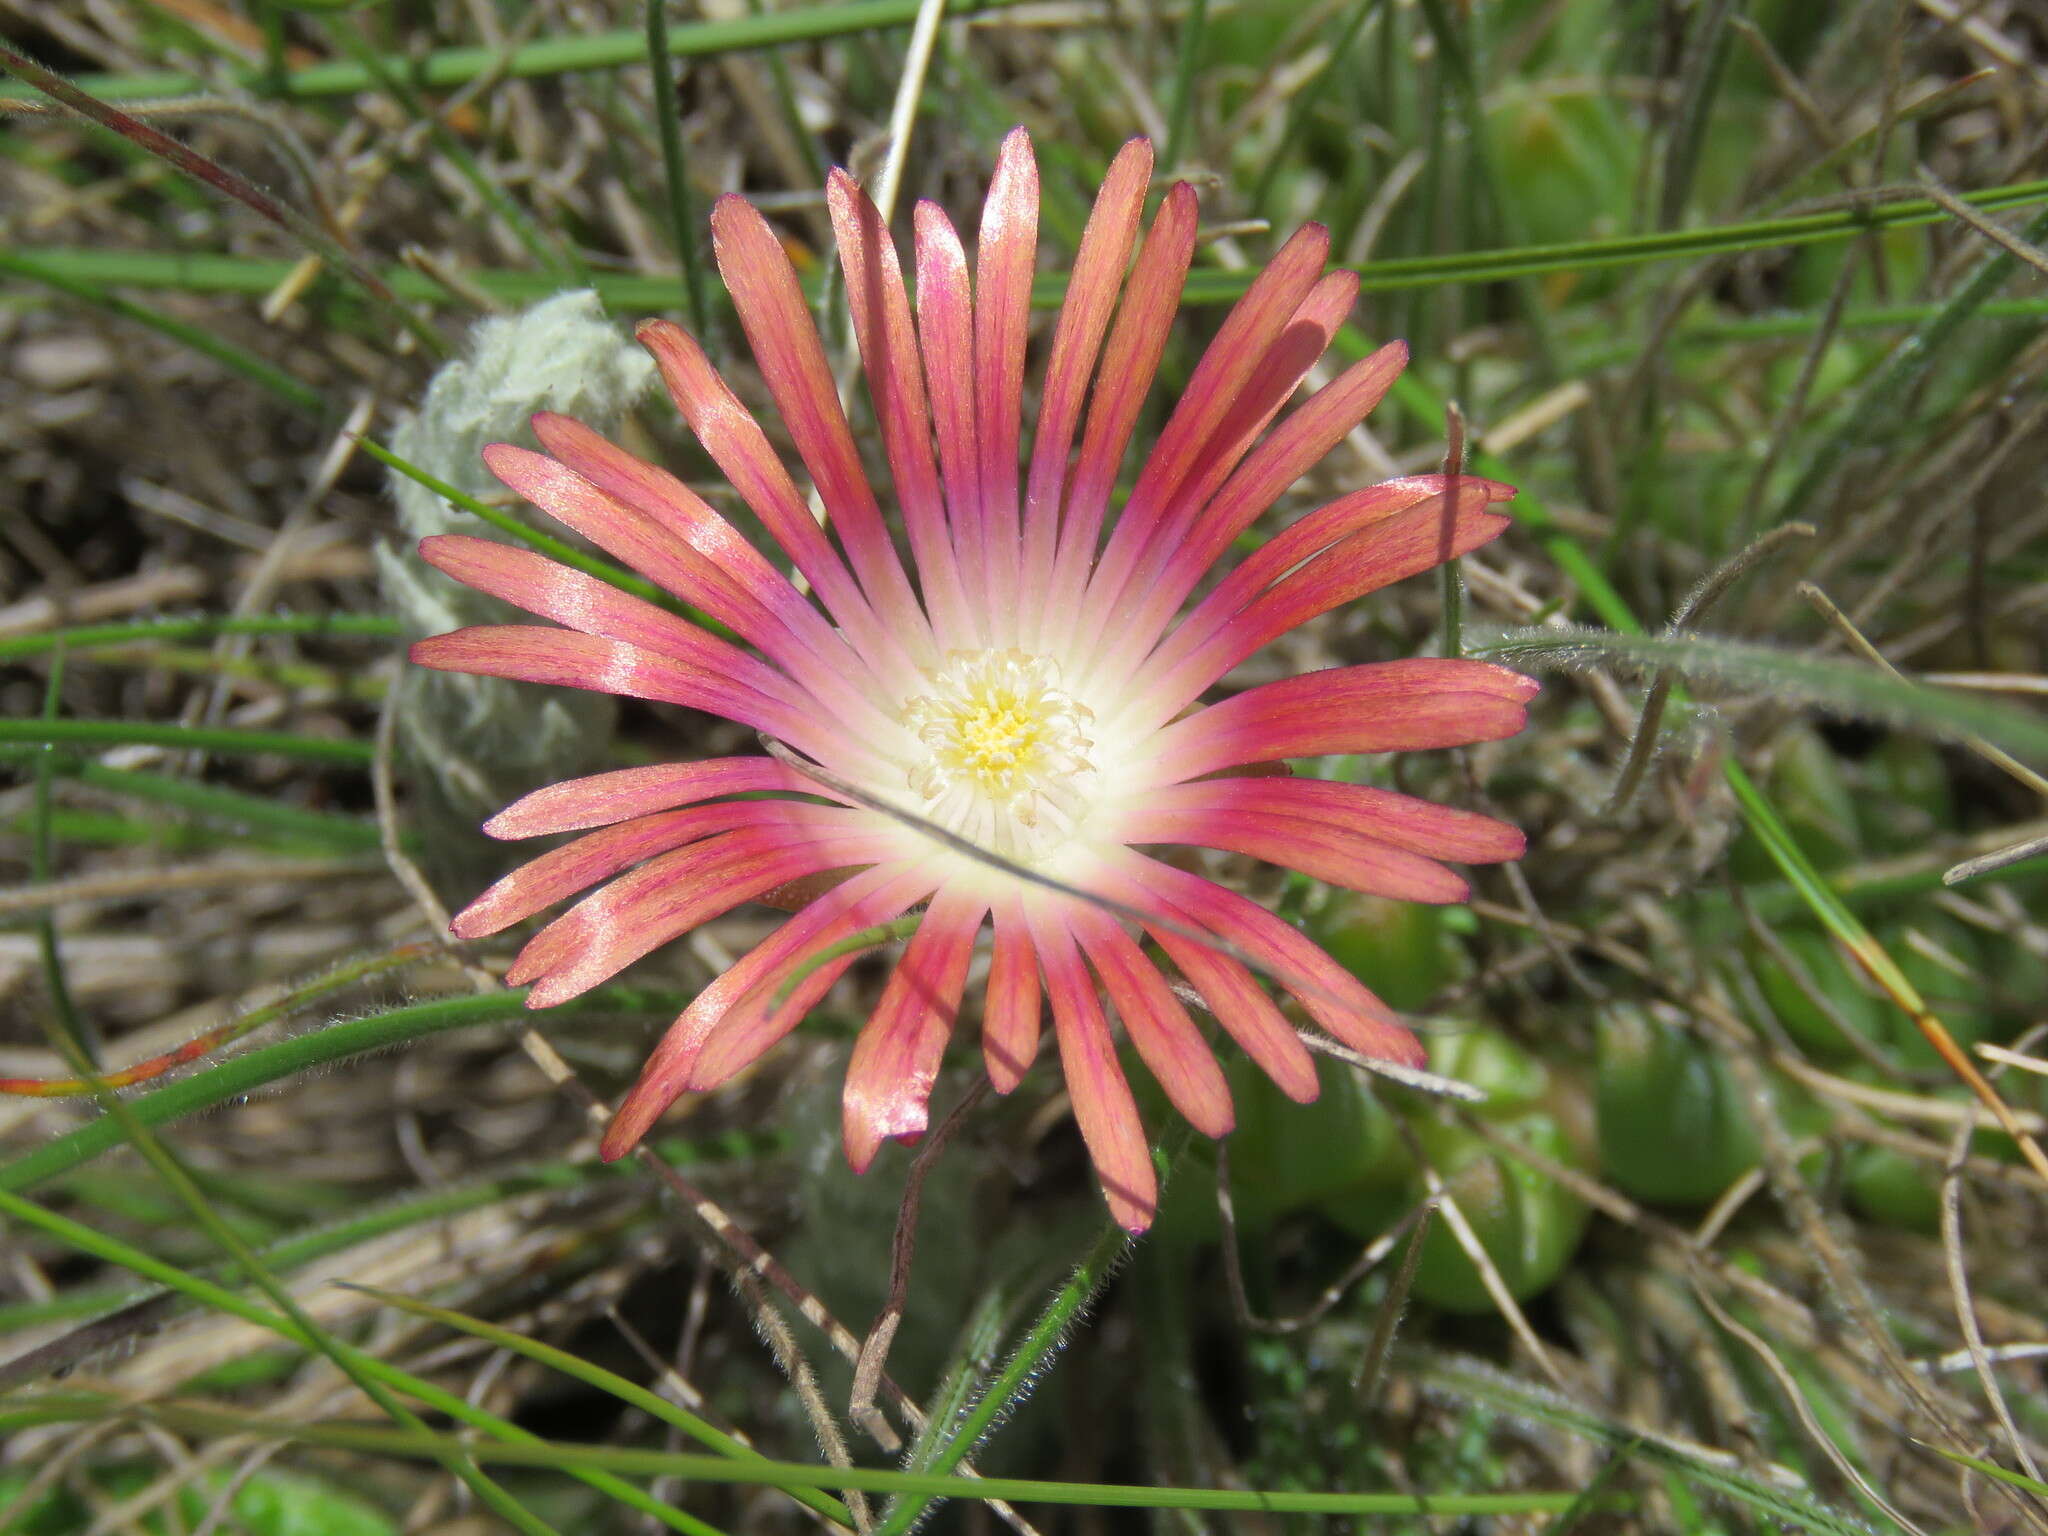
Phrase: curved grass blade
pixel 1842 687
pixel 631 1461
pixel 208 1041
pixel 650 1403
pixel 87 637
pixel 1205 287
pixel 554 56
pixel 193 738
pixel 208 343
pixel 77 1407
pixel 287 1058
pixel 1786 1507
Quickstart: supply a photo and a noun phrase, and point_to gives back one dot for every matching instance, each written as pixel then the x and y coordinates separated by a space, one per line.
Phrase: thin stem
pixel 83 1037
pixel 1194 23
pixel 682 211
pixel 568 54
pixel 185 738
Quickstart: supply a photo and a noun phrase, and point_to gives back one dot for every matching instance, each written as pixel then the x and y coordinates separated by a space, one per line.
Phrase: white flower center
pixel 1005 760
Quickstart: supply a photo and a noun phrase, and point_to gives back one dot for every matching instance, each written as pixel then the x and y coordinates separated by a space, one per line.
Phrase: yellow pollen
pixel 1003 745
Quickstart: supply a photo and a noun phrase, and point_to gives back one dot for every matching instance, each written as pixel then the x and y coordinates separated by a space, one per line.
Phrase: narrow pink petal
pixel 1092 288
pixel 605 798
pixel 1010 1001
pixel 889 356
pixel 1388 706
pixel 792 360
pixel 1247 1014
pixel 638 913
pixel 567 659
pixel 1301 539
pixel 1118 613
pixel 896 1059
pixel 1297 445
pixel 592 607
pixel 662 1078
pixel 1103 1106
pixel 1172 1049
pixel 1255 323
pixel 1136 342
pixel 1332 995
pixel 1420 826
pixel 686 519
pixel 740 449
pixel 754 1020
pixel 1003 264
pixel 945 326
pixel 631 535
pixel 1335 854
pixel 1404 545
pixel 562 872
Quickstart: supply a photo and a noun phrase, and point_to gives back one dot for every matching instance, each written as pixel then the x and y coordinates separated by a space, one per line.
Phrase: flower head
pixel 1009 730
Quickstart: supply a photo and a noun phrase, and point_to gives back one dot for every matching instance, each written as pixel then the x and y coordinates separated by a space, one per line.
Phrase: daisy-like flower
pixel 1032 694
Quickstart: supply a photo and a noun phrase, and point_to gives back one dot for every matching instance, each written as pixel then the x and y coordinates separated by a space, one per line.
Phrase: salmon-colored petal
pixel 1004 260
pixel 563 871
pixel 1420 826
pixel 1305 537
pixel 755 1019
pixel 1136 343
pixel 889 356
pixel 1172 1049
pixel 604 798
pixel 1010 1001
pixel 1338 855
pixel 945 329
pixel 740 449
pixel 896 1059
pixel 631 536
pixel 554 591
pixel 1333 997
pixel 1103 1106
pixel 1388 706
pixel 662 1078
pixel 1406 544
pixel 1254 326
pixel 1247 1014
pixel 1092 287
pixel 688 522
pixel 1273 380
pixel 526 653
pixel 638 913
pixel 1297 445
pixel 770 304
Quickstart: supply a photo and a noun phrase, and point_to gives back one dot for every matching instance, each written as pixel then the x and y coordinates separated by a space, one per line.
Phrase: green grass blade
pixel 1205 287
pixel 75 1407
pixel 185 738
pixel 1841 687
pixel 207 343
pixel 448 67
pixel 632 1461
pixel 652 1404
pixel 1482 1384
pixel 86 637
pixel 288 1058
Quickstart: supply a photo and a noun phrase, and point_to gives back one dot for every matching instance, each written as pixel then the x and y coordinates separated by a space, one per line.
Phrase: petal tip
pixel 632 1120
pixel 504 826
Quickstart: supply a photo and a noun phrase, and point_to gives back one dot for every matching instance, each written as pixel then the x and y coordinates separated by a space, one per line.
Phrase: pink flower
pixel 1031 694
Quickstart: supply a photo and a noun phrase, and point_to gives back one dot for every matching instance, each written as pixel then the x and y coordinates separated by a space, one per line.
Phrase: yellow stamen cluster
pixel 1005 751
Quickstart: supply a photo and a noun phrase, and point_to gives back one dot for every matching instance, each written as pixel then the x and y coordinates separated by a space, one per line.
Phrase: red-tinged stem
pixel 212 174
pixel 208 1041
